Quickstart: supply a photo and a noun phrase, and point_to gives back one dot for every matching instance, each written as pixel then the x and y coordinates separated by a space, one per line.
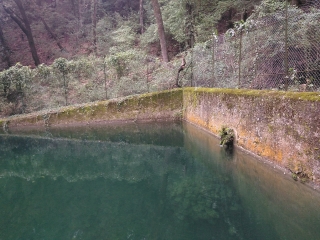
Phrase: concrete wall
pixel 283 127
pixel 166 105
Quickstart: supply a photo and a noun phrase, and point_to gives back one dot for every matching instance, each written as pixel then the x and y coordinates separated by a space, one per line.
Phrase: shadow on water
pixel 145 181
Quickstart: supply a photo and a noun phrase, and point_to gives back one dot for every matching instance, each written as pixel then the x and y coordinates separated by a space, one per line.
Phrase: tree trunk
pixel 39 2
pixel 54 3
pixel 141 11
pixel 6 50
pixel 162 37
pixel 190 25
pixel 94 26
pixel 74 8
pixel 182 66
pixel 79 23
pixel 295 2
pixel 29 32
pixel 24 24
pixel 54 36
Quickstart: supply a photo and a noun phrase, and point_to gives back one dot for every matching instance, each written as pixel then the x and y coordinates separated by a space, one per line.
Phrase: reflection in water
pixel 148 181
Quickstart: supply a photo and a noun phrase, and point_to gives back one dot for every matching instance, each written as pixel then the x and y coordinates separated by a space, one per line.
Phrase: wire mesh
pixel 280 50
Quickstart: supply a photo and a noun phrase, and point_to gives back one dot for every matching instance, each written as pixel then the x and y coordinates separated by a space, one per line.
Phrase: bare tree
pixel 94 26
pixel 54 3
pixel 141 11
pixel 190 25
pixel 54 36
pixel 74 8
pixel 162 36
pixel 24 24
pixel 6 50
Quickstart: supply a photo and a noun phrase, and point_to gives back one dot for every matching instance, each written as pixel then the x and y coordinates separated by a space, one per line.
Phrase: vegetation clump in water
pixel 226 137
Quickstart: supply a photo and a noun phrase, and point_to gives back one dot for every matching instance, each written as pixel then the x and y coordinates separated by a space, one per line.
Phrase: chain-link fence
pixel 68 82
pixel 276 50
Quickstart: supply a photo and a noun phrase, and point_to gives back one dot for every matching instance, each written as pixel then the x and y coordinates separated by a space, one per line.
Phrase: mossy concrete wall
pixel 283 127
pixel 166 105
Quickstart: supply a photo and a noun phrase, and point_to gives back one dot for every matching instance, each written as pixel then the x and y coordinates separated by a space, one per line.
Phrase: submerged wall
pixel 283 127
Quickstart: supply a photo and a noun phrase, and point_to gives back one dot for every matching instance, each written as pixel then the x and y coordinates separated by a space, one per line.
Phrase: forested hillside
pixel 75 28
pixel 86 50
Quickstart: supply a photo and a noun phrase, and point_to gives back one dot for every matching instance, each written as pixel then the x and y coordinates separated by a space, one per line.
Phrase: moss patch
pixel 299 96
pixel 158 105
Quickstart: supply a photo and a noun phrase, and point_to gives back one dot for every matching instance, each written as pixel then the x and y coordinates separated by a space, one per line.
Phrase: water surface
pixel 145 181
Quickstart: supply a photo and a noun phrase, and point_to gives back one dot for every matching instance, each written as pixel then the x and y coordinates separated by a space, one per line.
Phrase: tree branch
pixel 16 19
pixel 54 36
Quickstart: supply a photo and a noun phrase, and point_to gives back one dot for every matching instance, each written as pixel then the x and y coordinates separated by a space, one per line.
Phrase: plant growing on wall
pixel 226 136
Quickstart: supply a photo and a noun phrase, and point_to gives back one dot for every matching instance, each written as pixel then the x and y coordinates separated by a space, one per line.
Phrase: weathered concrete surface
pixel 283 127
pixel 145 107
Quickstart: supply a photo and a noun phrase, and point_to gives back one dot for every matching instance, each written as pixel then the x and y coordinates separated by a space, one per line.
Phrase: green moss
pixel 170 100
pixel 308 152
pixel 303 96
pixel 178 115
pixel 294 176
pixel 5 125
pixel 193 99
pixel 270 128
pixel 123 108
pixel 230 105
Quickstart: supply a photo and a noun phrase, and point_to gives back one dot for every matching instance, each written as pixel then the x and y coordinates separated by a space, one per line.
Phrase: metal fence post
pixel 105 76
pixel 148 90
pixel 240 58
pixel 286 55
pixel 213 61
pixel 191 66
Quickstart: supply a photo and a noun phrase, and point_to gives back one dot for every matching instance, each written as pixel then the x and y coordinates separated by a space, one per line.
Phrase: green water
pixel 145 181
